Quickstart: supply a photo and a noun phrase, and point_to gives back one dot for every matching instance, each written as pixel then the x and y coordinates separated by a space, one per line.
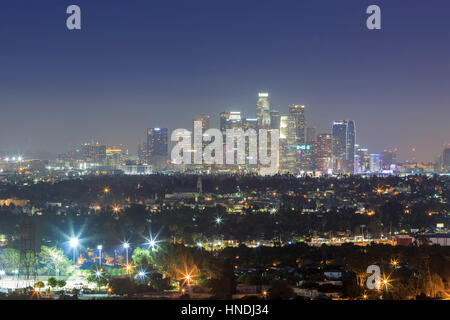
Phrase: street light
pixel 188 279
pixel 100 248
pixel 126 245
pixel 151 242
pixel 74 242
pixel 141 274
pixel 394 262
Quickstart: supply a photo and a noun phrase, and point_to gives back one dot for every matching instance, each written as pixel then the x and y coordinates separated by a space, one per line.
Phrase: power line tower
pixel 27 275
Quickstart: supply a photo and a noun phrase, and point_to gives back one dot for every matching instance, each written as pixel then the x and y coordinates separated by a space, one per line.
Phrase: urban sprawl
pixel 101 223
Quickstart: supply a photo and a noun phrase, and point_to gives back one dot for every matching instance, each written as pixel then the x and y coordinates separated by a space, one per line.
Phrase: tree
pixel 158 282
pixel 99 276
pixel 54 260
pixel 122 285
pixel 223 285
pixel 9 259
pixel 281 290
pixel 52 282
pixel 61 283
pixel 141 257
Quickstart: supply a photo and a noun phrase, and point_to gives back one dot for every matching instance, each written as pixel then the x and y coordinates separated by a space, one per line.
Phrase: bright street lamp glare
pixel 99 247
pixel 74 242
pixel 152 243
pixel 126 245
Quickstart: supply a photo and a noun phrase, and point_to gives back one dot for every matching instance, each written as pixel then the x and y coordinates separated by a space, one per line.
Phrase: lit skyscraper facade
pixel 446 160
pixel 389 158
pixel 350 147
pixel 375 162
pixel 204 119
pixel 263 110
pixel 323 152
pixel 275 119
pixel 363 160
pixel 157 147
pixel 223 119
pixel 306 161
pixel 296 131
pixel 344 139
pixel 94 153
pixel 298 123
pixel 283 144
pixel 310 134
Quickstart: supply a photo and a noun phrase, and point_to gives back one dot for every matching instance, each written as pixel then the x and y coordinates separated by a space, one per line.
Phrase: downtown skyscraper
pixel 263 110
pixel 295 139
pixel 157 147
pixel 344 139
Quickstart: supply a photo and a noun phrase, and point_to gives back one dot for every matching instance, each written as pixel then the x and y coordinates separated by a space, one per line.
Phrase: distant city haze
pixel 141 64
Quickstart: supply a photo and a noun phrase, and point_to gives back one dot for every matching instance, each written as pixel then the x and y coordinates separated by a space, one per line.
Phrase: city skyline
pixel 245 122
pixel 219 157
pixel 53 97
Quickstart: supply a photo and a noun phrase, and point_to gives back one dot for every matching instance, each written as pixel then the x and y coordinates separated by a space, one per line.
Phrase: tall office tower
pixel 324 155
pixel 311 134
pixel 363 159
pixel 375 162
pixel 275 119
pixel 446 160
pixel 283 144
pixel 204 119
pixel 298 123
pixel 116 156
pixel 223 119
pixel 344 139
pixel 350 147
pixel 142 152
pixel 250 123
pixel 296 137
pixel 291 147
pixel 307 157
pixel 94 153
pixel 229 120
pixel 283 127
pixel 157 148
pixel 389 158
pixel 263 110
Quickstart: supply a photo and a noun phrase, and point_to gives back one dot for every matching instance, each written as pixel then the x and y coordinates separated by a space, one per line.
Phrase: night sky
pixel 145 63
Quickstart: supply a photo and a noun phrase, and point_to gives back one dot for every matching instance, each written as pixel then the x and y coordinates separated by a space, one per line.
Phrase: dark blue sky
pixel 143 63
